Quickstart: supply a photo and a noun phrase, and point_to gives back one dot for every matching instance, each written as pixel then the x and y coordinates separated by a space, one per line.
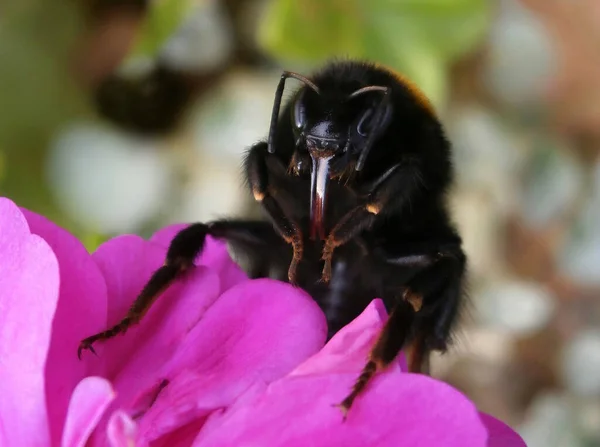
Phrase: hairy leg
pixel 258 178
pixel 392 190
pixel 182 252
pixel 421 319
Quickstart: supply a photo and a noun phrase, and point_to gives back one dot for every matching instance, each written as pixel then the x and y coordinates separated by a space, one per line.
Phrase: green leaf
pixel 288 29
pixel 161 22
pixel 417 37
pixel 418 62
pixel 450 27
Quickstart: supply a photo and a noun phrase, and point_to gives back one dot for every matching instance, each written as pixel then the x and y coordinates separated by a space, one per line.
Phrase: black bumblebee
pixel 353 178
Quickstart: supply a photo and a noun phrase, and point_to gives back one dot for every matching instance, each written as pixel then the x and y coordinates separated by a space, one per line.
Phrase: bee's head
pixel 328 124
pixel 331 124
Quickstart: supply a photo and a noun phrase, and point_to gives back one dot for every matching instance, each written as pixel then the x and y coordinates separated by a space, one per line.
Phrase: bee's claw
pixel 344 407
pixel 325 276
pixel 86 344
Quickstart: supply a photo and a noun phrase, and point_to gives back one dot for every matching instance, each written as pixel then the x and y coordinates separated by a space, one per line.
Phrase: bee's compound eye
pixel 364 125
pixel 299 112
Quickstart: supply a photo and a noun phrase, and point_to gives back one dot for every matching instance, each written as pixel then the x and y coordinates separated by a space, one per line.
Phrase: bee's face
pixel 333 125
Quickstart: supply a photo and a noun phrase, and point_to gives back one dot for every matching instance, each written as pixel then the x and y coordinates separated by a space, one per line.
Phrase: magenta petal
pixel 214 255
pixel 255 333
pixel 500 434
pixel 348 350
pixel 81 311
pixel 121 430
pixel 182 437
pixel 162 338
pixel 29 289
pixel 88 402
pixel 134 359
pixel 396 410
pixel 127 262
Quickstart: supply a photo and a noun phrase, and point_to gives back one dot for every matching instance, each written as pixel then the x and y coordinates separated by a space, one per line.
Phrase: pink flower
pixel 218 361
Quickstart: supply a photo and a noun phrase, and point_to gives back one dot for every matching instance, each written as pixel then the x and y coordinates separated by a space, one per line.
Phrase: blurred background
pixel 126 115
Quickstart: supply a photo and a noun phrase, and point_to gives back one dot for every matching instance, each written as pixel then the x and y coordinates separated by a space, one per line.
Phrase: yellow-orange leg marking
pixel 330 246
pixel 349 226
pixel 416 351
pixel 297 256
pixel 288 230
pixel 415 299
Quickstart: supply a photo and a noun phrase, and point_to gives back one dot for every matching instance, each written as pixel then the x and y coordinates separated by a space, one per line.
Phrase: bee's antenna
pixel 277 104
pixel 378 119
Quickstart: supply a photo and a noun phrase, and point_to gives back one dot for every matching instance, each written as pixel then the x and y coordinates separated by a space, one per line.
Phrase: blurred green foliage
pixel 36 43
pixel 38 97
pixel 419 38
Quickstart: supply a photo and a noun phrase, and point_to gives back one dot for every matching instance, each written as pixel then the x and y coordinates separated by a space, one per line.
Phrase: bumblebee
pixel 353 179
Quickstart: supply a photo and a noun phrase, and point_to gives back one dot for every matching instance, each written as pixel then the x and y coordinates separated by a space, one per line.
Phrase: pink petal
pixel 81 310
pixel 121 430
pixel 214 255
pixel 182 437
pixel 163 337
pixel 398 409
pixel 255 333
pixel 134 359
pixel 127 262
pixel 29 285
pixel 348 350
pixel 500 434
pixel 88 402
